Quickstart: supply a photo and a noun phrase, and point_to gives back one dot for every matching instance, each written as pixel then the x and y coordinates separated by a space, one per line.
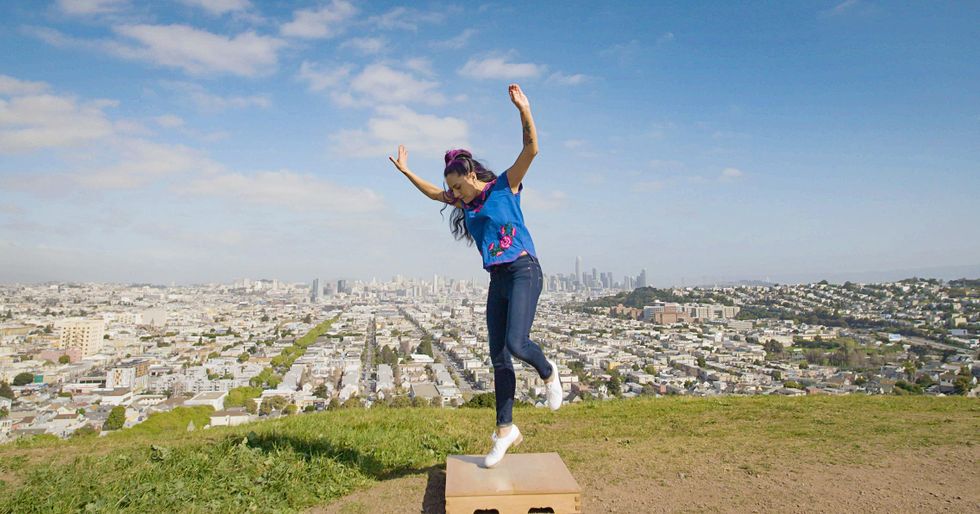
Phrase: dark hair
pixel 461 162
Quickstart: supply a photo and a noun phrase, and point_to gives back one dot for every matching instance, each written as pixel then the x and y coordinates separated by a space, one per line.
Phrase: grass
pixel 292 463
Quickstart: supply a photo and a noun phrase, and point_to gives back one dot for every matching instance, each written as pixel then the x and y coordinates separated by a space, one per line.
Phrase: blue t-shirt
pixel 495 221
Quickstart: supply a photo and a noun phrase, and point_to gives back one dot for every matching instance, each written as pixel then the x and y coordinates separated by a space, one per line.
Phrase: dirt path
pixel 934 480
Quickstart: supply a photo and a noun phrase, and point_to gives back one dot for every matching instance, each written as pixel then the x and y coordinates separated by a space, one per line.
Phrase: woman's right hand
pixel 402 162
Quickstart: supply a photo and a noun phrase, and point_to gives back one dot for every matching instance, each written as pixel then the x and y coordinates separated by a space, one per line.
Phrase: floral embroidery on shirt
pixel 507 233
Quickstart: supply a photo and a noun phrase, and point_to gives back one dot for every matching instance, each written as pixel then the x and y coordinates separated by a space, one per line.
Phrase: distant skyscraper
pixel 342 286
pixel 641 281
pixel 315 292
pixel 578 269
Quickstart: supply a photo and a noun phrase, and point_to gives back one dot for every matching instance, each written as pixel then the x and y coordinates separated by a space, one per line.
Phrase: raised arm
pixel 428 189
pixel 515 173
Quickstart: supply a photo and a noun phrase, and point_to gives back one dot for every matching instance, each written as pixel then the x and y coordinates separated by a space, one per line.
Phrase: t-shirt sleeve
pixel 504 183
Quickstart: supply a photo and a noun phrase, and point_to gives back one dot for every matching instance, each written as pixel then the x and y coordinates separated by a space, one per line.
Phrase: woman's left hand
pixel 517 96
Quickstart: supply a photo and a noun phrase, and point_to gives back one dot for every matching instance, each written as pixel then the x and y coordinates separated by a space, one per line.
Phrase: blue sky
pixel 210 140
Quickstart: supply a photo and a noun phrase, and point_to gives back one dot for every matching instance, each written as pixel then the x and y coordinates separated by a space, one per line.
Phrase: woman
pixel 488 212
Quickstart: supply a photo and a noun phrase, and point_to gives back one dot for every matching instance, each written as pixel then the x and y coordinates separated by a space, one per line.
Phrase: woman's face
pixel 464 187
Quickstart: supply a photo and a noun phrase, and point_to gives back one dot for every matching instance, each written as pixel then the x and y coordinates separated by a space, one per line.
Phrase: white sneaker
pixel 500 446
pixel 555 392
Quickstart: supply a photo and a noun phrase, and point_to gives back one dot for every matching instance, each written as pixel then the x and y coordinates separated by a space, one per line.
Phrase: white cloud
pixel 199 52
pixel 406 18
pixel 383 84
pixel 325 22
pixel 572 144
pixel 395 125
pixel 666 165
pixel 30 123
pixel 731 174
pixel 365 45
pixel 169 121
pixel 843 7
pixel 90 6
pixel 319 79
pixel 420 65
pixel 666 37
pixel 219 7
pixel 455 43
pixel 140 162
pixel 12 87
pixel 286 188
pixel 208 101
pixel 543 200
pixel 648 186
pixel 568 80
pixel 377 83
pixel 500 68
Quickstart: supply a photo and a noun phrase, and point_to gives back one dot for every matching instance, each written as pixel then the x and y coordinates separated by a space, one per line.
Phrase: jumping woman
pixel 488 212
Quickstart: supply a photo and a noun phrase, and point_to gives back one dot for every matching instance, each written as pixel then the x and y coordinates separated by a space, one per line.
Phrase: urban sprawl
pixel 91 358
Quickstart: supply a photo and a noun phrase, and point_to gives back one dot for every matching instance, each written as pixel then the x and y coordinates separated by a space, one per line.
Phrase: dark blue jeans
pixel 511 302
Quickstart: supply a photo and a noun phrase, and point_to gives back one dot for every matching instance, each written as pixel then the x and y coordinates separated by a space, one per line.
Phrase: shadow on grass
pixel 434 500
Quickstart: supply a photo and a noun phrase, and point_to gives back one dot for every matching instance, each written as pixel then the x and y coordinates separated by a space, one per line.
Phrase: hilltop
pixel 640 455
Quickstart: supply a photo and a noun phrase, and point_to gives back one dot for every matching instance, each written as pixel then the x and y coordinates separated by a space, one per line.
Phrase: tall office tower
pixel 435 283
pixel 83 334
pixel 578 269
pixel 342 286
pixel 641 281
pixel 595 277
pixel 315 292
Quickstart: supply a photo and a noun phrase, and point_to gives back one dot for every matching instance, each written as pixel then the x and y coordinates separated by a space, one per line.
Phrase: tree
pixel 701 362
pixel 309 408
pixel 804 365
pixel 334 404
pixel 4 412
pixel 399 401
pixel 774 347
pixel 321 391
pixel 117 418
pixel 351 403
pixel 482 400
pixel 239 396
pixel 23 379
pixel 614 386
pixel 6 391
pixel 909 368
pixel 243 357
pixel 86 430
pixel 64 359
pixel 963 382
pixel 291 409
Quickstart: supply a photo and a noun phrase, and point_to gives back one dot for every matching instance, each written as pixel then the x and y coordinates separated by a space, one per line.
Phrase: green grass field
pixel 300 461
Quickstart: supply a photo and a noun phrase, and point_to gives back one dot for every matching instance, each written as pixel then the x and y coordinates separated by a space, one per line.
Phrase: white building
pixel 84 334
pixel 215 399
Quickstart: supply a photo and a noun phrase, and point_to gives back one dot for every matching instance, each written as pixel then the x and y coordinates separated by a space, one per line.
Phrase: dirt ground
pixel 943 479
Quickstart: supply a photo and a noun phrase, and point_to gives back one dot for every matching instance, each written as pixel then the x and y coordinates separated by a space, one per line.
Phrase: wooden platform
pixel 521 482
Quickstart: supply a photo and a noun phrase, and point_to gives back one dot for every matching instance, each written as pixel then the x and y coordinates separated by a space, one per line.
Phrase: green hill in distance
pixel 645 454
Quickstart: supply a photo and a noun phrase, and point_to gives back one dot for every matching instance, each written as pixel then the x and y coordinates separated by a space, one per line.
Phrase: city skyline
pixel 200 141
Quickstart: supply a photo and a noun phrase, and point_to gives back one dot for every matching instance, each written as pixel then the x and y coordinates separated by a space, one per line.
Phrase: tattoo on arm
pixel 527 134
